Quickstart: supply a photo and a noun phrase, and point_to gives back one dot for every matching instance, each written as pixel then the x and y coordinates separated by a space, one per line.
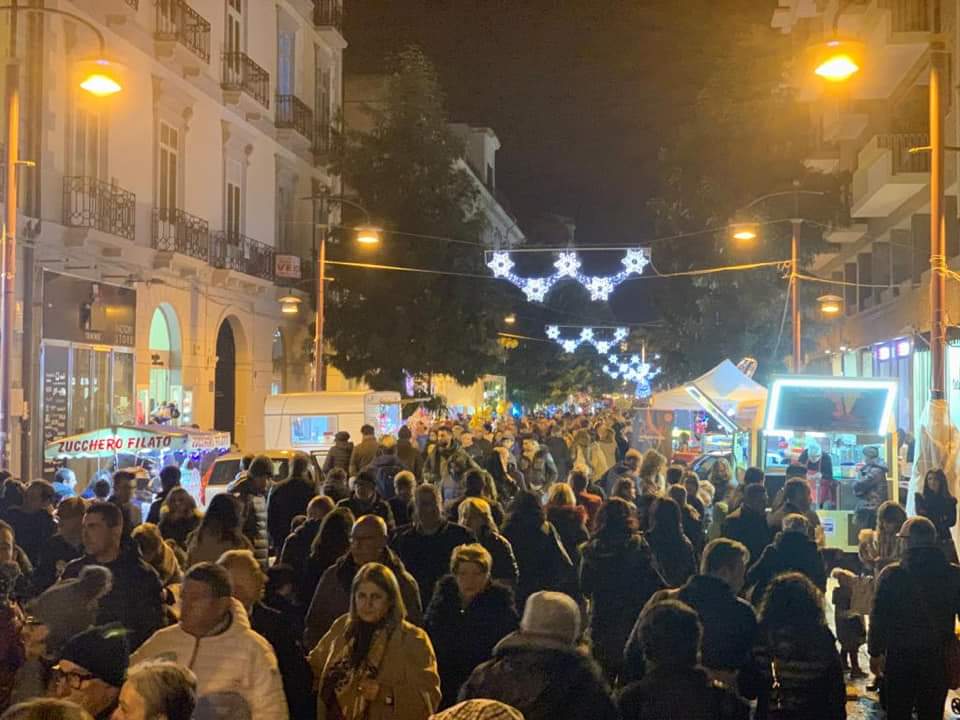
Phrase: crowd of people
pixel 540 569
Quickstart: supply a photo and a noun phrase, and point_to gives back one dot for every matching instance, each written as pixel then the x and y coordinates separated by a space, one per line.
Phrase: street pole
pixel 318 378
pixel 938 260
pixel 8 270
pixel 796 223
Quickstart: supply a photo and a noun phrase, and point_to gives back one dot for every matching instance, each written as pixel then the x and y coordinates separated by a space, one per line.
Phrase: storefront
pixel 840 417
pixel 86 358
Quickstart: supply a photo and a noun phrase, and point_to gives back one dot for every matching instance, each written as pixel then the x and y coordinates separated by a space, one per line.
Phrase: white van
pixel 309 421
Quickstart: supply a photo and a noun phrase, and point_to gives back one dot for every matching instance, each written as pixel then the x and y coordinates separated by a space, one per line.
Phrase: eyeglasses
pixel 74 679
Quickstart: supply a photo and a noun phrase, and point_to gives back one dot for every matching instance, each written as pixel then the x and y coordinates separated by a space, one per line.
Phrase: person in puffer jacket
pixel 339 455
pixel 251 491
pixel 236 669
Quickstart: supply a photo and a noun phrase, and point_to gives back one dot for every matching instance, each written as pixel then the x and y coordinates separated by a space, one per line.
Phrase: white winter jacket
pixel 236 670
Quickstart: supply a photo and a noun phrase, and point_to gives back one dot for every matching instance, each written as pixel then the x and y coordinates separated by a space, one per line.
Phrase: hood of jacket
pixel 795 543
pixel 707 590
pixel 345 568
pixel 557 657
pixel 244 485
pixel 496 596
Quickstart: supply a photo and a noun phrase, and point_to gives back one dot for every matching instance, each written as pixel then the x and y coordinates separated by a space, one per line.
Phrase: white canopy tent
pixel 725 385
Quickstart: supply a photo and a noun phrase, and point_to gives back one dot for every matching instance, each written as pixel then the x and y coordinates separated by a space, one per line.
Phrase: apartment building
pixel 863 132
pixel 159 227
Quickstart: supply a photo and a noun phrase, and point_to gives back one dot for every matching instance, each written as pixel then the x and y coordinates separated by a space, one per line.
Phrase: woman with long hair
pixel 936 504
pixel 219 531
pixel 468 615
pixel 796 673
pixel 652 469
pixel 179 516
pixel 881 547
pixel 618 577
pixel 476 515
pixel 721 477
pixel 568 518
pixel 330 544
pixel 543 563
pixel 673 554
pixel 372 664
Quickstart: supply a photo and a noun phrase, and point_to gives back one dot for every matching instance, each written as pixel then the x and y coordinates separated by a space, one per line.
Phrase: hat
pixel 479 710
pixel 553 616
pixel 102 651
pixel 70 606
pixel 918 532
pixel 871 452
pixel 342 436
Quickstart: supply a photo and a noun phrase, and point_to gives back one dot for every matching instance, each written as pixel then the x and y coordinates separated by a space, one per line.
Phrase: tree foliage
pixel 408 173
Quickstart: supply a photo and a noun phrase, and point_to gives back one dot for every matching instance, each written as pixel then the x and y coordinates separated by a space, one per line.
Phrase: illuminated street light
pixel 289 304
pixel 511 319
pixel 830 304
pixel 744 232
pixel 100 77
pixel 836 61
pixel 367 235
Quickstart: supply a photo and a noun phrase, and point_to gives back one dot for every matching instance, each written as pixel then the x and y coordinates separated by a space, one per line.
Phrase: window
pixel 286 54
pixel 322 83
pixel 233 212
pixel 312 429
pixel 86 143
pixel 168 167
pixel 234 38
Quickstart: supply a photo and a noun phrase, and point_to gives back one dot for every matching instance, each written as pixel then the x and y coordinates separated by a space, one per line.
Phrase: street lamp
pixel 837 60
pixel 99 77
pixel 510 319
pixel 289 304
pixel 830 305
pixel 367 235
pixel 743 232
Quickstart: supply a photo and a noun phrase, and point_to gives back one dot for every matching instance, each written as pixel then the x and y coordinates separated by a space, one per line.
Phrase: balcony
pixel 324 139
pixel 888 174
pixel 182 36
pixel 294 120
pixel 94 204
pixel 175 231
pixel 243 77
pixel 328 16
pixel 911 16
pixel 236 252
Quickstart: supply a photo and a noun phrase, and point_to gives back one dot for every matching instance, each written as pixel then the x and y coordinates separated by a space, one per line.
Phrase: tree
pixel 409 173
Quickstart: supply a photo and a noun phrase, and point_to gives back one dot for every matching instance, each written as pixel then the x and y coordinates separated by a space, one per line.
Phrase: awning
pixel 725 385
pixel 135 440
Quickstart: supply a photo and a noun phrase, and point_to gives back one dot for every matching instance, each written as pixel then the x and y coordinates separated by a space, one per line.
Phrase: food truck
pixel 309 421
pixel 841 417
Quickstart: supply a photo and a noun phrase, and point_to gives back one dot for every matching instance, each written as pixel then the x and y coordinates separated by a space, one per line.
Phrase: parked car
pixel 225 468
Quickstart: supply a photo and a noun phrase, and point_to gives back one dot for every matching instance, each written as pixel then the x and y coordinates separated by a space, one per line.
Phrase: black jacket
pixel 543 680
pixel 688 693
pixel 729 626
pixel 135 599
pixel 750 528
pixel 178 530
pixel 55 554
pixel 153 514
pixel 296 550
pixel 940 510
pixel 338 456
pixel 402 510
pixel 286 500
pixel 31 530
pixel 676 560
pixel 496 510
pixel 570 523
pixel 541 559
pixel 619 579
pixel 915 606
pixel 504 561
pixel 561 455
pixel 377 506
pixel 291 659
pixel 464 637
pixel 410 456
pixel 385 468
pixel 427 557
pixel 789 551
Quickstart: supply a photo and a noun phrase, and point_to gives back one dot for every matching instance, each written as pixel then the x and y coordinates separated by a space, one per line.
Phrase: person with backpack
pixel 289 498
pixel 339 455
pixel 386 466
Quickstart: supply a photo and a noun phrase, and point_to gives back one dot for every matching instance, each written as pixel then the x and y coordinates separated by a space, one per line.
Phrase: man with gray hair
pixel 912 624
pixel 158 689
pixel 791 550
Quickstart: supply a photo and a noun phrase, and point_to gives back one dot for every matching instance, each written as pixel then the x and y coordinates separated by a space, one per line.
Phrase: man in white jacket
pixel 237 673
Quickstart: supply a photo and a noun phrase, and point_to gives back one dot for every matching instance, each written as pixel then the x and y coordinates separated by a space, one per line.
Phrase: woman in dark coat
pixel 543 563
pixel 467 616
pixel 618 576
pixel 673 554
pixel 795 643
pixel 569 519
pixel 937 505
pixel 331 543
pixel 476 514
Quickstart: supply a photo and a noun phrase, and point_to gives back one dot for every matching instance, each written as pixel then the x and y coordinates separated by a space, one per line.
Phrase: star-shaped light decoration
pixel 569 345
pixel 602 346
pixel 501 264
pixel 620 334
pixel 636 260
pixel 553 332
pixel 536 289
pixel 600 288
pixel 567 264
pixel 586 335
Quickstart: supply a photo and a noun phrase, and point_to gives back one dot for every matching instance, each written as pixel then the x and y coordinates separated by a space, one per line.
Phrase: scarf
pixel 359 659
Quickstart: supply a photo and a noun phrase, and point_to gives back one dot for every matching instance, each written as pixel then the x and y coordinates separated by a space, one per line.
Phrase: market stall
pixel 824 425
pixel 718 412
pixel 128 446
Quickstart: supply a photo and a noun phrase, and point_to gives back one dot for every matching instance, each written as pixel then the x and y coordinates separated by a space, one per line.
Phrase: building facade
pixel 159 227
pixel 863 132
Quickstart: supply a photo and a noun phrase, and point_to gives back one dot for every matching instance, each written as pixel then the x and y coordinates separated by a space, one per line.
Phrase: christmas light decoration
pixel 587 336
pixel 568 265
pixel 633 369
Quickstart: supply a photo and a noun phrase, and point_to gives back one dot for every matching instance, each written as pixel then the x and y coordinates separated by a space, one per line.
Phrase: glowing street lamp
pixel 744 232
pixel 289 304
pixel 830 305
pixel 100 77
pixel 368 235
pixel 836 61
pixel 510 319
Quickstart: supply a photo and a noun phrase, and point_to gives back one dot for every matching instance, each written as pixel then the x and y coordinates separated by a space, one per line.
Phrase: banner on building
pixel 86 311
pixel 288 266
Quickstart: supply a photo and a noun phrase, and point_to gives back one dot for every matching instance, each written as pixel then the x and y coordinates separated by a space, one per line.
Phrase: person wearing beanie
pixel 386 466
pixel 70 607
pixel 364 453
pixel 479 710
pixel 339 455
pixel 92 668
pixel 540 670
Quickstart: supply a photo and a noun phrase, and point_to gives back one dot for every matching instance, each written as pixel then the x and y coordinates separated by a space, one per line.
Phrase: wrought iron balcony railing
pixel 177 21
pixel 135 4
pixel 243 74
pixel 177 231
pixel 293 113
pixel 913 15
pixel 92 203
pixel 905 161
pixel 328 13
pixel 233 251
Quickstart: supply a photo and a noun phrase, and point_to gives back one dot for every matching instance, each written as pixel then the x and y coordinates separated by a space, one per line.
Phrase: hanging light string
pixel 587 336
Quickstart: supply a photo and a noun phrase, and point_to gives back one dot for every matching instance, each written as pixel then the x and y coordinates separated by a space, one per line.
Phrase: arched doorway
pixel 278 381
pixel 165 364
pixel 225 381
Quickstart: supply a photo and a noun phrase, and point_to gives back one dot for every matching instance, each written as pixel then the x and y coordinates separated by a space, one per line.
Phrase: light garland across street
pixel 568 265
pixel 589 336
pixel 633 369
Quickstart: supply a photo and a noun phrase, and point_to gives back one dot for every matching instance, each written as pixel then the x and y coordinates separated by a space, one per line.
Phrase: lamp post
pixel 367 234
pixel 747 232
pixel 99 81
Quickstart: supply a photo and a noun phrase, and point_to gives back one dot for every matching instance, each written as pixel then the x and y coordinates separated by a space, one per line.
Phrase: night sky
pixel 578 93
